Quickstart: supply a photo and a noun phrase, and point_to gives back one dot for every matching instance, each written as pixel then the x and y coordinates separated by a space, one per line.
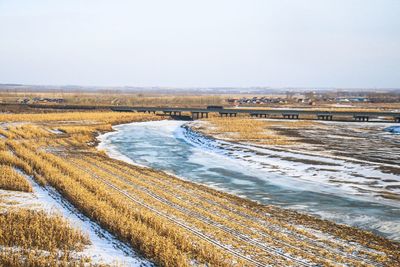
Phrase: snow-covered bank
pixel 105 248
pixel 328 174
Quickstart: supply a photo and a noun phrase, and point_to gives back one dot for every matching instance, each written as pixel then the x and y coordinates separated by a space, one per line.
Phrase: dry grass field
pixel 245 129
pixel 10 179
pixel 183 99
pixel 117 98
pixel 170 221
pixel 33 237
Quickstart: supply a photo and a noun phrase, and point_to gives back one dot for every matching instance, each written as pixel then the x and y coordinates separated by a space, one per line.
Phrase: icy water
pixel 305 183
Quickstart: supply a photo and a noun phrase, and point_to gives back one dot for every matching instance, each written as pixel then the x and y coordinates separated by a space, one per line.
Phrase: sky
pixel 203 43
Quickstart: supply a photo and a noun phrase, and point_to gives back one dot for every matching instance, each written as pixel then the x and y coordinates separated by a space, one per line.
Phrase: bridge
pixel 198 113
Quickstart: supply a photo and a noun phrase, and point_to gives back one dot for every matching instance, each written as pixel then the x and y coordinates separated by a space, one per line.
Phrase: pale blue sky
pixel 187 43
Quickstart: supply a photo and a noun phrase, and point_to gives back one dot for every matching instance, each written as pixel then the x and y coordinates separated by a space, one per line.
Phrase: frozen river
pixel 309 183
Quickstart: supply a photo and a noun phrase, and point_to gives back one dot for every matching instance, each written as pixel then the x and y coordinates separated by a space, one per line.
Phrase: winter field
pixel 85 208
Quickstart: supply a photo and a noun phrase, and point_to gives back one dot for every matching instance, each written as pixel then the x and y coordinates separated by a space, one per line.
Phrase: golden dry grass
pixel 11 257
pixel 35 238
pixel 245 129
pixel 74 117
pixel 151 235
pixel 38 230
pixel 109 98
pixel 10 179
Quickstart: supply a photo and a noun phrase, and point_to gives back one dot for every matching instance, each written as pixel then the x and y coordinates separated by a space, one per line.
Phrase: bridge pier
pixel 325 117
pixel 226 114
pixel 179 113
pixel 290 116
pixel 195 115
pixel 361 118
pixel 261 115
pixel 204 114
pixel 198 115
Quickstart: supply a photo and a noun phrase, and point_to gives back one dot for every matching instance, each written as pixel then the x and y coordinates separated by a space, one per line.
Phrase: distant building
pixel 232 100
pixel 257 100
pixel 352 99
pixel 40 100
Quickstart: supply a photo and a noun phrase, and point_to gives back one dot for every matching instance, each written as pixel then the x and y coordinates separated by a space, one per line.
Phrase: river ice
pixel 393 129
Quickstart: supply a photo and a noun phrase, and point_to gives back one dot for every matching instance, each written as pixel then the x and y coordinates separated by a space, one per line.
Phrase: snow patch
pixel 56 131
pixel 105 248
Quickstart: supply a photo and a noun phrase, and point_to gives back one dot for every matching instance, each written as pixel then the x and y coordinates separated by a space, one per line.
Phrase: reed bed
pixel 10 179
pixel 31 229
pixel 12 257
pixel 36 238
pixel 245 129
pixel 268 225
pixel 113 98
pixel 85 117
pixel 155 237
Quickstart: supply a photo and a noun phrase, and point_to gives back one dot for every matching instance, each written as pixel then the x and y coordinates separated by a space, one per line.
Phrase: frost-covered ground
pixel 371 142
pixel 347 189
pixel 105 248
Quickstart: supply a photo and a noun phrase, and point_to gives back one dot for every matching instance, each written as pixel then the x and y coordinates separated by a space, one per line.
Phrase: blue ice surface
pixel 393 129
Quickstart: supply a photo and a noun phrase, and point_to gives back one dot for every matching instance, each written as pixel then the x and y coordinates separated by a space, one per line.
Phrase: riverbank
pixel 368 142
pixel 369 145
pixel 175 222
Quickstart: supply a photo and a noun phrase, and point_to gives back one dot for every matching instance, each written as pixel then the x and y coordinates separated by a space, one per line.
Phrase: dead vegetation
pixel 10 179
pixel 35 238
pixel 11 257
pixel 30 229
pixel 115 98
pixel 170 221
pixel 245 129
